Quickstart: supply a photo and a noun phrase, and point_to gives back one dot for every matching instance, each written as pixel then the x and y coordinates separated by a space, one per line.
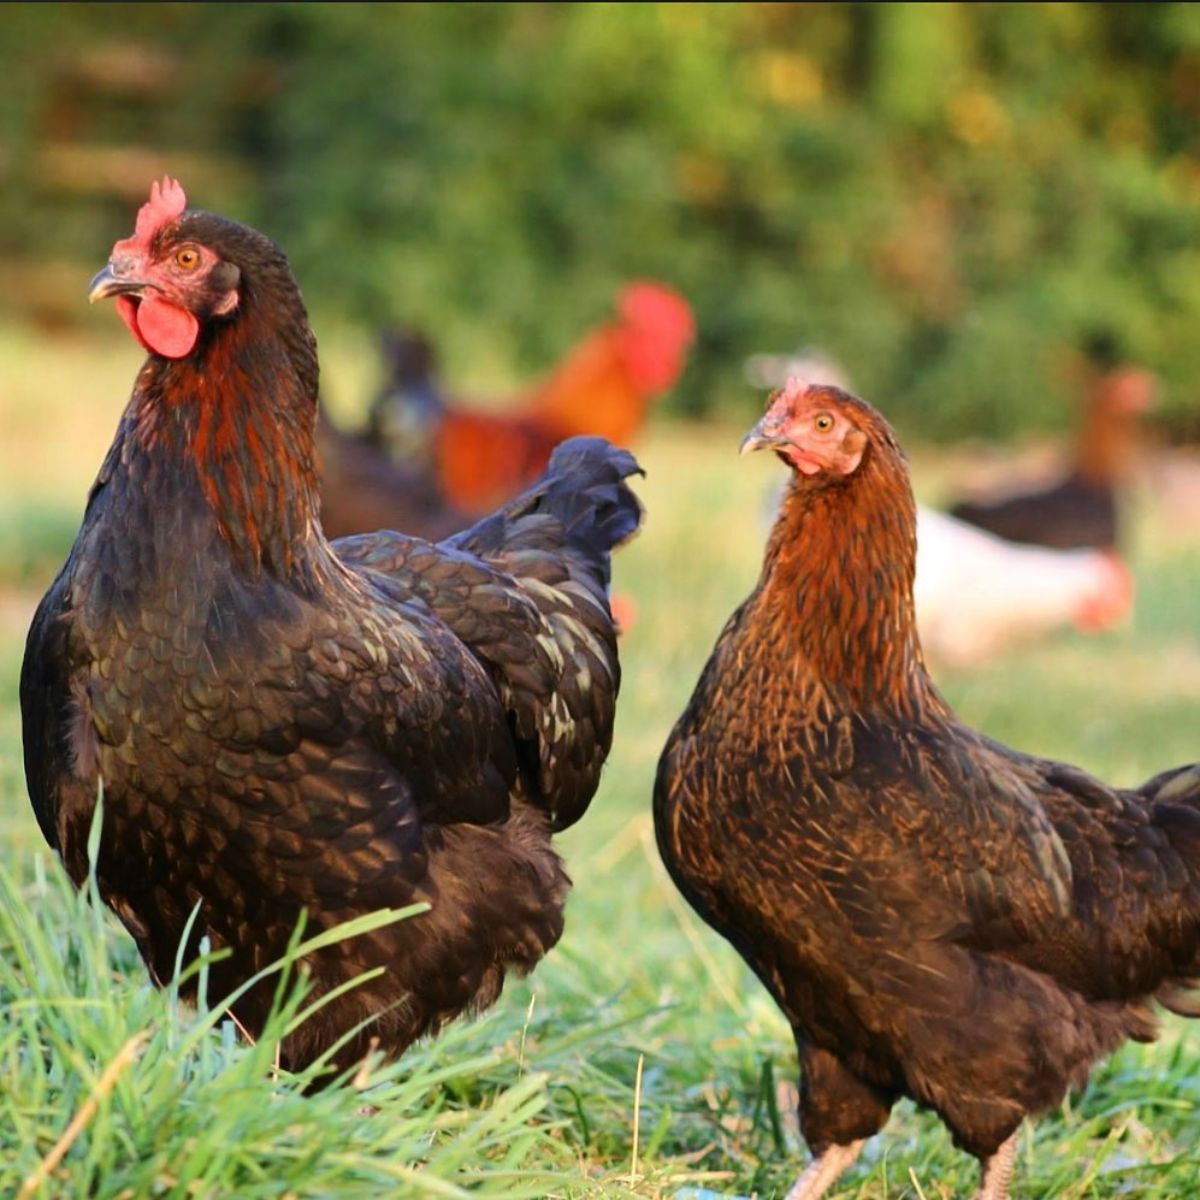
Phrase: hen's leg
pixel 997 1172
pixel 838 1112
pixel 821 1174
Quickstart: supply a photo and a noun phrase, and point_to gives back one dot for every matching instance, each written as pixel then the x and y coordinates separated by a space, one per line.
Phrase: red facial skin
pixel 810 431
pixel 162 277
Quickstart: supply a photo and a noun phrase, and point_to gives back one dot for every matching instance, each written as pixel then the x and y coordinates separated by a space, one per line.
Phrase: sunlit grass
pixel 537 1097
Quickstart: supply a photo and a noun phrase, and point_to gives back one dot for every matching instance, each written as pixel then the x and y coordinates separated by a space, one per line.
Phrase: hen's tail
pixel 560 679
pixel 1173 798
pixel 526 589
pixel 580 509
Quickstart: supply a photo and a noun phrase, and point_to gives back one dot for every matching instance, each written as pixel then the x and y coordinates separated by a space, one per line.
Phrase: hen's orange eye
pixel 188 258
pixel 822 422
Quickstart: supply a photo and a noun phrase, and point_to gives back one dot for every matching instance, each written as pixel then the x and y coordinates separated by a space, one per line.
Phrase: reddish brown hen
pixel 283 725
pixel 938 916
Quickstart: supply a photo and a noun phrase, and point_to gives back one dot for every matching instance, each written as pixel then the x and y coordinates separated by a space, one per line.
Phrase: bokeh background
pixel 941 196
pixel 949 200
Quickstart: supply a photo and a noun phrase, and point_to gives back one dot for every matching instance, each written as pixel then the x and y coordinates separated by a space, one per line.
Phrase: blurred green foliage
pixel 945 197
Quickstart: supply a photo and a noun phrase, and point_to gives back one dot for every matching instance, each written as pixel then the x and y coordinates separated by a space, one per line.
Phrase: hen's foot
pixel 821 1174
pixel 997 1172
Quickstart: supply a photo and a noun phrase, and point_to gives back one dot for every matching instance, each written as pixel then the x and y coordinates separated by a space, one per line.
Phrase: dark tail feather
pixel 581 505
pixel 1178 785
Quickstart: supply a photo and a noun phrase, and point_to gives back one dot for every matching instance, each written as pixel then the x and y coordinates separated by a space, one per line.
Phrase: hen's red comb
pixel 795 389
pixel 167 202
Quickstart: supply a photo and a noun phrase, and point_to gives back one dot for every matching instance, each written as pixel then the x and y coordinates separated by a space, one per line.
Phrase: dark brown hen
pixel 283 725
pixel 938 916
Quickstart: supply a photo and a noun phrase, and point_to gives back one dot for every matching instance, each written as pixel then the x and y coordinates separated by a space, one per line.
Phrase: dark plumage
pixel 937 915
pixel 1074 513
pixel 385 477
pixel 285 725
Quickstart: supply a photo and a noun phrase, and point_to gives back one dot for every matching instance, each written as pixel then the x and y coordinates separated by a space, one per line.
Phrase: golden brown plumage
pixel 938 916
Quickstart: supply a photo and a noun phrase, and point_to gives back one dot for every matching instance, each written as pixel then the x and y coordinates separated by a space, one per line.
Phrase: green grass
pixel 642 1023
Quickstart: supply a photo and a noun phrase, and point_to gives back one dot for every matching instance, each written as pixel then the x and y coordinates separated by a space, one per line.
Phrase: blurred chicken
pixel 363 489
pixel 1081 508
pixel 605 385
pixel 384 477
pixel 409 407
pixel 976 594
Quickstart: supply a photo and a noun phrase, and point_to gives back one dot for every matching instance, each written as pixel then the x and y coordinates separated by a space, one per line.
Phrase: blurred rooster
pixel 938 916
pixel 287 726
pixel 605 386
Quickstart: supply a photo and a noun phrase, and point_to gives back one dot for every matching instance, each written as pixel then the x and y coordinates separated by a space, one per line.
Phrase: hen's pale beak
pixel 763 436
pixel 107 284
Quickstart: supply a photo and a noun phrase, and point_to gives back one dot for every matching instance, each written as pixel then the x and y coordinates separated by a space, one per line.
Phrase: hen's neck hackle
pixel 240 414
pixel 838 583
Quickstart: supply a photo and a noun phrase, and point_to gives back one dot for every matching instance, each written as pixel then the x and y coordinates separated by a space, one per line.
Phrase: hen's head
pixel 179 271
pixel 823 433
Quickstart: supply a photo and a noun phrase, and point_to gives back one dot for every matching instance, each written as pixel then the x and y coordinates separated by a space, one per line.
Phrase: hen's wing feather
pixel 526 591
pixel 555 682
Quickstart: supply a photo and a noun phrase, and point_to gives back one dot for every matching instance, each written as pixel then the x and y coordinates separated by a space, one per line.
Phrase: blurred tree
pixel 940 196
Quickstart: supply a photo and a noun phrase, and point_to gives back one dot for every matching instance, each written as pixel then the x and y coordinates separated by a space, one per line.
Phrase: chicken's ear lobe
pixel 225 280
pixel 226 304
pixel 850 453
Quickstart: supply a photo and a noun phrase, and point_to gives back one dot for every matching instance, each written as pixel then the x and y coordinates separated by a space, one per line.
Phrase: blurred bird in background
pixel 428 464
pixel 604 385
pixel 409 407
pixel 977 593
pixel 438 461
pixel 363 489
pixel 1081 508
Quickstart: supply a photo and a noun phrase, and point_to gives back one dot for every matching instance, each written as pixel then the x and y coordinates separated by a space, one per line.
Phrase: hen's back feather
pixel 526 590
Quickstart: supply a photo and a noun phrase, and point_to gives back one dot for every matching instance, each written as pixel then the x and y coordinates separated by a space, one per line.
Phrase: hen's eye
pixel 188 257
pixel 822 422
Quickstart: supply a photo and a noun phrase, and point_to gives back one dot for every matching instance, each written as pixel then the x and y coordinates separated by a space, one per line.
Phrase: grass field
pixel 641 1058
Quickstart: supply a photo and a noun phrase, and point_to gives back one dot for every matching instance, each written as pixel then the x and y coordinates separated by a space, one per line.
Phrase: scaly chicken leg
pixel 997 1172
pixel 823 1172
